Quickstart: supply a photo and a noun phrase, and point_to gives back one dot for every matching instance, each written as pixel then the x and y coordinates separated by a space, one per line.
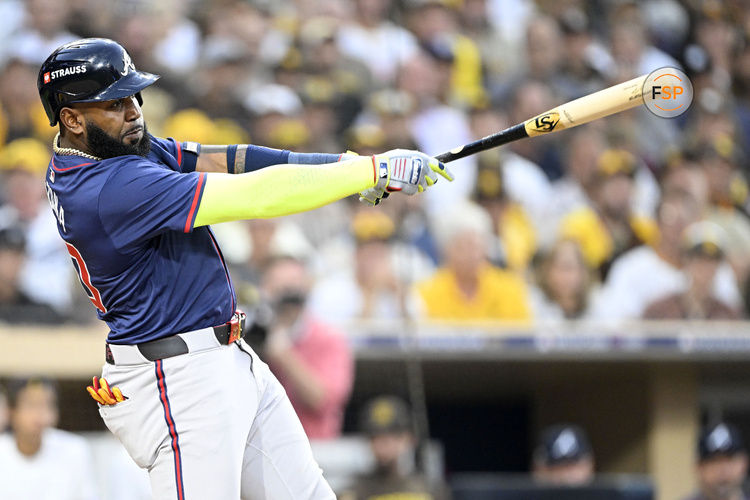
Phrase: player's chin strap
pixel 70 151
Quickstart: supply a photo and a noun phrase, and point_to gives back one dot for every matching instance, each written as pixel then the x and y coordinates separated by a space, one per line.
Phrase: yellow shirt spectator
pixel 499 295
pixel 586 227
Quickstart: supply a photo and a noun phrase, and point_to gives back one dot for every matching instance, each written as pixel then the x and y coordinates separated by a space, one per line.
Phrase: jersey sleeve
pixel 141 200
pixel 179 156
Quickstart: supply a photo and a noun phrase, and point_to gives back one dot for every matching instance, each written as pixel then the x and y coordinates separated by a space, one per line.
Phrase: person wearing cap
pixel 626 295
pixel 46 276
pixel 15 305
pixel 563 457
pixel 511 225
pixel 703 250
pixel 387 422
pixel 39 461
pixel 609 227
pixel 722 464
pixel 357 292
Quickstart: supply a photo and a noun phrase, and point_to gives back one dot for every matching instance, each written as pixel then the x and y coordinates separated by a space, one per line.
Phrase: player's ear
pixel 72 120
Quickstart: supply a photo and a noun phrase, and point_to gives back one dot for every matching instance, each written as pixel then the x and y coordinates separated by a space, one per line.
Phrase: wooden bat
pixel 603 103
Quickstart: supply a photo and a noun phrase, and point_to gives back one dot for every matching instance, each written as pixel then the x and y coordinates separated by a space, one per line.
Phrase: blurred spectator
pixel 15 306
pixel 21 113
pixel 515 234
pixel 627 293
pixel 722 463
pixel 563 457
pixel 311 359
pixel 375 41
pixel 394 110
pixel 46 276
pixel 35 456
pixel 586 64
pixel 729 199
pixel 436 26
pixel 222 78
pixel 529 98
pixel 387 422
pixel 631 44
pixel 277 111
pixel 43 30
pixel 437 125
pixel 609 227
pixel 371 290
pixel 522 181
pixel 703 253
pixel 565 287
pixel 4 411
pixel 467 286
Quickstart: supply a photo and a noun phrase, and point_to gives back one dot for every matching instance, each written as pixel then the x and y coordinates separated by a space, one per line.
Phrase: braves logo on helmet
pixel 127 64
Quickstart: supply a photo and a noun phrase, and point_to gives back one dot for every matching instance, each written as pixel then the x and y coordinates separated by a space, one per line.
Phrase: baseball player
pixel 186 396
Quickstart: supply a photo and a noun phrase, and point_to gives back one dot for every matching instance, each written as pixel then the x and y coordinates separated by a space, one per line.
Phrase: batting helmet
pixel 89 70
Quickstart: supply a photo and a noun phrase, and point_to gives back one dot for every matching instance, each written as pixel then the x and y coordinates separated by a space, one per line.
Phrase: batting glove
pixel 104 394
pixel 405 171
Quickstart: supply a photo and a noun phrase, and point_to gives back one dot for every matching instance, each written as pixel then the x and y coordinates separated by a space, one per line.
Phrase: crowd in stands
pixel 629 217
pixel 565 226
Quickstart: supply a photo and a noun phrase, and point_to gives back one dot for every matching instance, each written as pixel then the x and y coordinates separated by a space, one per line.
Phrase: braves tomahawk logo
pixel 127 64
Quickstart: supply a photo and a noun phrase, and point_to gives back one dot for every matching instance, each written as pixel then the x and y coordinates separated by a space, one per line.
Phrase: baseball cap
pixel 372 225
pixel 562 443
pixel 385 414
pixel 26 154
pixel 721 438
pixel 616 161
pixel 705 238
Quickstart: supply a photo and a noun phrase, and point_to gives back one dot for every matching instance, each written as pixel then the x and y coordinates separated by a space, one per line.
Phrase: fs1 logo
pixel 543 123
pixel 667 92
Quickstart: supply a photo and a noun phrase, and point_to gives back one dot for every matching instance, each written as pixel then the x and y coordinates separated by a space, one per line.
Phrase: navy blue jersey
pixel 128 225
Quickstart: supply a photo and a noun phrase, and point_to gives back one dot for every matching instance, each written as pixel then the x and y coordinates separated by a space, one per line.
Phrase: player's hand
pixel 104 394
pixel 373 196
pixel 408 172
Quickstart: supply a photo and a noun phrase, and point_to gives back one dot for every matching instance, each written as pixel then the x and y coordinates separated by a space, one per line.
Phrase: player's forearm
pixel 242 158
pixel 302 380
pixel 281 190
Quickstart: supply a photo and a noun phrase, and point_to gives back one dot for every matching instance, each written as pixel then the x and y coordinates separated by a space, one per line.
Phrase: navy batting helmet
pixel 89 70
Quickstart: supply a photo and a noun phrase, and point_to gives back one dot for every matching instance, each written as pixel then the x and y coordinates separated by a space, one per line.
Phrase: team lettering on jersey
pixel 57 209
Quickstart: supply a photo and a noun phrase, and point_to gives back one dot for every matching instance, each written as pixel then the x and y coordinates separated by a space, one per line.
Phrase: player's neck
pixel 70 141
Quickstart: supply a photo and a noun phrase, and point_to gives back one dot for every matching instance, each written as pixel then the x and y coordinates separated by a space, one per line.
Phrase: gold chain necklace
pixel 70 151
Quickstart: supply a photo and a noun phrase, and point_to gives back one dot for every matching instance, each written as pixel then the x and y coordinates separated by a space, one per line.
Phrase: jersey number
pixel 85 277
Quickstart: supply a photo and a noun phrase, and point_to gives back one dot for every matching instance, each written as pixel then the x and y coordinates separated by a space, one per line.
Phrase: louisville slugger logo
pixel 544 123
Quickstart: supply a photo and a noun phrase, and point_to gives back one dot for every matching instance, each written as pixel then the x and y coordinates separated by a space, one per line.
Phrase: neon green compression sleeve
pixel 281 190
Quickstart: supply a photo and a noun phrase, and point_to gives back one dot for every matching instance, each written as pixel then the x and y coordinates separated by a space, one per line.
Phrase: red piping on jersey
pixel 179 154
pixel 195 202
pixel 68 168
pixel 162 383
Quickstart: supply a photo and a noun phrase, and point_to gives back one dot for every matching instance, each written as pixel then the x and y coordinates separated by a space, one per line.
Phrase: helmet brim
pixel 128 85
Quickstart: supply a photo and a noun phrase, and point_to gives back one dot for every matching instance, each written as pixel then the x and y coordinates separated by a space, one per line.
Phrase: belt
pixel 178 344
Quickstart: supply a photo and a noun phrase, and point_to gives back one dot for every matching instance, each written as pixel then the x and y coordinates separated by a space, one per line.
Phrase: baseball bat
pixel 603 103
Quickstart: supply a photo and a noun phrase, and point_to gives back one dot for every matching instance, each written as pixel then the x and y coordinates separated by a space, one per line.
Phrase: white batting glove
pixel 405 171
